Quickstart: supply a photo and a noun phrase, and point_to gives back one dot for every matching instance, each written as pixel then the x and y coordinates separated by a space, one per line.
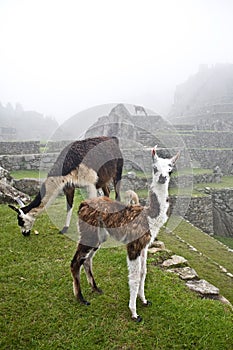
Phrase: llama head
pixel 25 221
pixel 162 167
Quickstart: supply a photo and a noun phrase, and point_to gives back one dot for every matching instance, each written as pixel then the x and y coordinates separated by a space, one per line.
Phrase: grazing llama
pixel 90 163
pixel 133 225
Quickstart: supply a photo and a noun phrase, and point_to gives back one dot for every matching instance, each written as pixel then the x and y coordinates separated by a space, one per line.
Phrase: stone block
pixel 185 273
pixel 202 287
pixel 175 260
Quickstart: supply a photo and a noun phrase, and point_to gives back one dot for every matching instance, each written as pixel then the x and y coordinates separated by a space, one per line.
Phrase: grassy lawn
pixel 38 310
pixel 21 174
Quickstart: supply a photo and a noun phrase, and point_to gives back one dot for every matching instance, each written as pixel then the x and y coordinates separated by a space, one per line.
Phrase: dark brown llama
pixel 90 163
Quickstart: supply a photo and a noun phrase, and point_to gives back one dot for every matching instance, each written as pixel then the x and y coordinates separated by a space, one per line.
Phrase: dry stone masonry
pixel 179 265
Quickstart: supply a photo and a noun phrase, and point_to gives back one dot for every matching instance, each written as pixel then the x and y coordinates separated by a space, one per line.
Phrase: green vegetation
pixel 228 241
pixel 227 182
pixel 212 255
pixel 21 174
pixel 38 310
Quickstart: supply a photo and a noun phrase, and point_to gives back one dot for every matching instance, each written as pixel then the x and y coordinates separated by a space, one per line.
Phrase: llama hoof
pixel 98 290
pixel 137 319
pixel 26 233
pixel 85 302
pixel 148 303
pixel 64 230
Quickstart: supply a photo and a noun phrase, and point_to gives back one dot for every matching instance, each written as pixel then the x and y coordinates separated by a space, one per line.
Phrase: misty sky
pixel 59 57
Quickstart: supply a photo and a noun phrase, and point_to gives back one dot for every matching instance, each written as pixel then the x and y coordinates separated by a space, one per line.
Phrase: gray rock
pixel 174 261
pixel 202 287
pixel 158 244
pixel 8 194
pixel 28 186
pixel 4 174
pixel 185 273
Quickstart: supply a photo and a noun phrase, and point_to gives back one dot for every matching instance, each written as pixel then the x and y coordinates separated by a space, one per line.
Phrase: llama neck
pixel 161 191
pixel 48 191
pixel 158 207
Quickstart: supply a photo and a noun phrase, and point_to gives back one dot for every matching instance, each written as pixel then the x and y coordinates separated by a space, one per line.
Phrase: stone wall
pixel 223 212
pixel 27 147
pixel 57 146
pixel 213 213
pixel 28 161
pixel 197 139
pixel 197 210
pixel 209 159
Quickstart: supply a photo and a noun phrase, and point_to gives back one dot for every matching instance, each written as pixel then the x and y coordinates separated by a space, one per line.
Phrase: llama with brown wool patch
pixel 133 225
pixel 90 163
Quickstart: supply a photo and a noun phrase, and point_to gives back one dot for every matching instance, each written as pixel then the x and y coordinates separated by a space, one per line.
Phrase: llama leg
pixel 106 190
pixel 92 191
pixel 69 192
pixel 117 179
pixel 76 264
pixel 134 267
pixel 88 270
pixel 141 292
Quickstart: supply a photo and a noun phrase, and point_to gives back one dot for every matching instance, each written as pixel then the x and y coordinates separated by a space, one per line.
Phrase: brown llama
pixel 133 225
pixel 90 163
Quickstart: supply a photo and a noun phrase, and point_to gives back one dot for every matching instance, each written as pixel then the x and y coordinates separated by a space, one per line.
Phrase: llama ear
pixel 154 154
pixel 18 210
pixel 175 158
pixel 14 208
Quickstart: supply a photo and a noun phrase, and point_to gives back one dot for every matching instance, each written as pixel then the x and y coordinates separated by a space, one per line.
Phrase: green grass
pixel 21 174
pixel 228 241
pixel 38 310
pixel 227 182
pixel 206 263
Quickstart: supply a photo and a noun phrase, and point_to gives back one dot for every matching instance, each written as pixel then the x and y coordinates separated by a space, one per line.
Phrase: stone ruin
pixel 8 193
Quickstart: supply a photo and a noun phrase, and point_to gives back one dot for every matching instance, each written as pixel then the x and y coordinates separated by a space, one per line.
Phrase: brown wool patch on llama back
pixel 124 223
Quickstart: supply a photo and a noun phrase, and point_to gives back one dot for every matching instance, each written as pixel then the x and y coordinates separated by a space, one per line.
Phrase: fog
pixel 62 57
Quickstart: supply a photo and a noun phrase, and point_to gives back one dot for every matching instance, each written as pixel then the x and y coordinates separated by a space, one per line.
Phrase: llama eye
pixel 155 169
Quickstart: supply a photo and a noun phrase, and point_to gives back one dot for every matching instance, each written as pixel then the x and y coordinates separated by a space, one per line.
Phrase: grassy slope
pixel 206 261
pixel 38 310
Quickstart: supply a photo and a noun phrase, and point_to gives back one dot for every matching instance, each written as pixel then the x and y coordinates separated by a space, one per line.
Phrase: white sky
pixel 59 57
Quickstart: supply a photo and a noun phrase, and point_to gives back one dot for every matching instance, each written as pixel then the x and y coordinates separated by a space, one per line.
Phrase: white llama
pixel 134 225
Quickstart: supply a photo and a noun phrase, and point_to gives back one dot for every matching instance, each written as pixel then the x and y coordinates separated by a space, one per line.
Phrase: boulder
pixel 203 287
